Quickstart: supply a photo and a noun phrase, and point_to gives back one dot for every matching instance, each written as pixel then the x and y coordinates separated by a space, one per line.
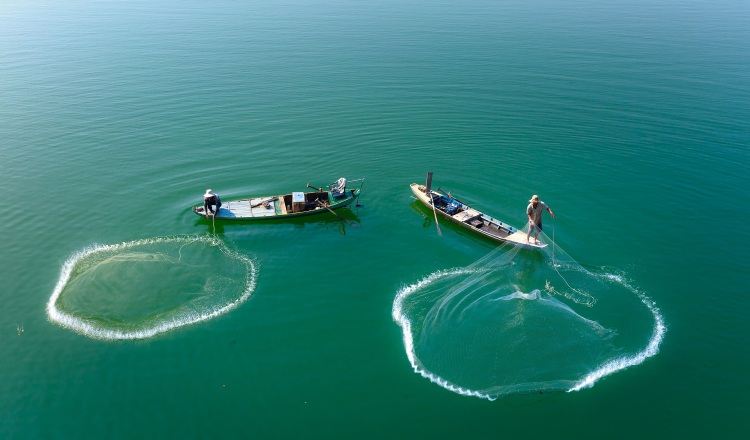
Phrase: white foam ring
pixel 403 321
pixel 606 369
pixel 652 348
pixel 76 324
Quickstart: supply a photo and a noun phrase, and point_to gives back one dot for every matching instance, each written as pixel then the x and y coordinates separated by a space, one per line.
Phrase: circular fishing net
pixel 524 321
pixel 143 288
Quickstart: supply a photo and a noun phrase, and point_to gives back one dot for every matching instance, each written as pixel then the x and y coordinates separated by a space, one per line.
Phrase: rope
pixel 590 300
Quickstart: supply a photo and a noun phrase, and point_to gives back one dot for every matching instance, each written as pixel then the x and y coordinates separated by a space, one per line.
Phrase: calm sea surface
pixel 630 118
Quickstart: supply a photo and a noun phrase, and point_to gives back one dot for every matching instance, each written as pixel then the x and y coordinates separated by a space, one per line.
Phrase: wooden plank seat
pixel 467 215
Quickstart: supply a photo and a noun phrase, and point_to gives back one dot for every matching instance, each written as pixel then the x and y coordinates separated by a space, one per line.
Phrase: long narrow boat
pixel 462 214
pixel 295 204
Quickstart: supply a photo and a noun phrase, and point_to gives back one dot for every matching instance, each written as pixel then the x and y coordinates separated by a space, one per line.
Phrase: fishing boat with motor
pixel 294 204
pixel 462 214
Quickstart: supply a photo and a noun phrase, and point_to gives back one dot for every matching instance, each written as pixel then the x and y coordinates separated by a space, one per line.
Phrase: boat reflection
pixel 339 221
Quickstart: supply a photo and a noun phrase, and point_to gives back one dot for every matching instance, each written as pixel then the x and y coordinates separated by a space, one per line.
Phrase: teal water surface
pixel 629 118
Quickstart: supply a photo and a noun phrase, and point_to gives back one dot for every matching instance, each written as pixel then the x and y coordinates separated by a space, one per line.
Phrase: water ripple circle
pixel 212 296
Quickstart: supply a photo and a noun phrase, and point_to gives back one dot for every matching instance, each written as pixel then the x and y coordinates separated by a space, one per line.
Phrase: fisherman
pixel 210 199
pixel 534 211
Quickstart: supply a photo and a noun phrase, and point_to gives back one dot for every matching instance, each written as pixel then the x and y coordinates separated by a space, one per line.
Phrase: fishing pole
pixel 429 192
pixel 432 197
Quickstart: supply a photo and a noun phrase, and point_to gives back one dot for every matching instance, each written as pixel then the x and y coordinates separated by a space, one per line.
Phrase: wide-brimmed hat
pixel 534 198
pixel 208 193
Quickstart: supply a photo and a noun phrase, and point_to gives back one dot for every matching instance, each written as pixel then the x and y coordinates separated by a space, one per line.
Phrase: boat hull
pixel 471 219
pixel 283 206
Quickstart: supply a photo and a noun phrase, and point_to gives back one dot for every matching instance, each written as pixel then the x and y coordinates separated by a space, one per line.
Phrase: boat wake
pixel 143 288
pixel 528 323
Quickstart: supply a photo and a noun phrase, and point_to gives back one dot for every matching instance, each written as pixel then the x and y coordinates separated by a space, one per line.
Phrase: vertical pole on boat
pixel 428 191
pixel 360 193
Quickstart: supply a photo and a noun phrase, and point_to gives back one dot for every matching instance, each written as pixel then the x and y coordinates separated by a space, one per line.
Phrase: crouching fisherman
pixel 211 199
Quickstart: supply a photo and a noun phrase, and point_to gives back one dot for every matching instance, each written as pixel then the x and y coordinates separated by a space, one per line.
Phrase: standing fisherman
pixel 210 199
pixel 534 211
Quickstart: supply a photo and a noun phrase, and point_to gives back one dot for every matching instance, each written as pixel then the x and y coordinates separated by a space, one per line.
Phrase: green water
pixel 629 118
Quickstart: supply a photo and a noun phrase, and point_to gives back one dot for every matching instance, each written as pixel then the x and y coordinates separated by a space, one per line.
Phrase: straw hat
pixel 534 198
pixel 208 193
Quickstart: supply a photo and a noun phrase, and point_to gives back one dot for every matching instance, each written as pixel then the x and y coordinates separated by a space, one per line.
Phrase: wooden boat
pixel 295 204
pixel 460 213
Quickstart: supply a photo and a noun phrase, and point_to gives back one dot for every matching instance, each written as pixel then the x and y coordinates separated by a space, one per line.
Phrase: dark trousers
pixel 208 204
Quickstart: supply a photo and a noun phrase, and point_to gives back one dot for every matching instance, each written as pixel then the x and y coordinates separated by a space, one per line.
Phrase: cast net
pixel 142 288
pixel 525 321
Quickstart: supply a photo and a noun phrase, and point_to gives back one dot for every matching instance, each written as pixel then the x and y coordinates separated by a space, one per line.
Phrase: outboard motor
pixel 338 189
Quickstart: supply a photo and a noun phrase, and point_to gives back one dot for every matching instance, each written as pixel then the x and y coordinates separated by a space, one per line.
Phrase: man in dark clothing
pixel 211 199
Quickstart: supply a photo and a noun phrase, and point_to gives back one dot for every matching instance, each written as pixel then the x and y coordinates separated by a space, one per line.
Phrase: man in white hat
pixel 210 199
pixel 534 211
